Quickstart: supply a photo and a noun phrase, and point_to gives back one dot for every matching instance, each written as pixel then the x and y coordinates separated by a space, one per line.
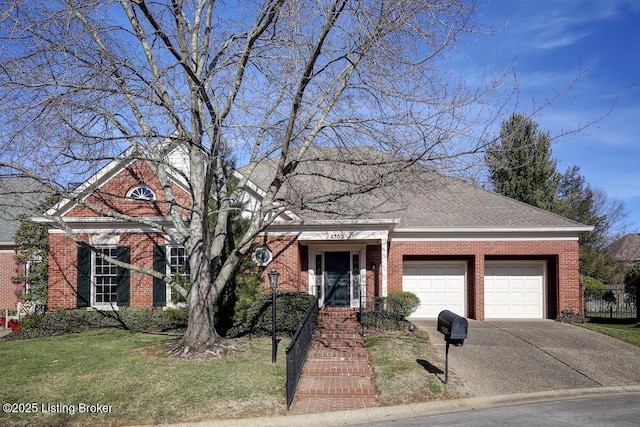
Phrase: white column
pixel 383 264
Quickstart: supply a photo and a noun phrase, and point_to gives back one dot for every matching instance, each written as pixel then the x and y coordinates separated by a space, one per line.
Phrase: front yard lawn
pixel 407 369
pixel 117 377
pixel 50 381
pixel 627 333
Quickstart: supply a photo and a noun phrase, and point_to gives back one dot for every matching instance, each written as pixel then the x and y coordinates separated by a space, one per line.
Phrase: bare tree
pixel 248 82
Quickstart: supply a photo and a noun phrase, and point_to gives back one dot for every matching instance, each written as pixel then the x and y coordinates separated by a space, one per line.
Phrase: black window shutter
pixel 83 291
pixel 123 290
pixel 159 285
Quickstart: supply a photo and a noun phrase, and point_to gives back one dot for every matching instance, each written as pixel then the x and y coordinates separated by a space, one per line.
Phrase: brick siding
pixel 562 256
pixel 8 270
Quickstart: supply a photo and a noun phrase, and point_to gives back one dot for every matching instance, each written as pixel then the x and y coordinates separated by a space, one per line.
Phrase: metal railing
pixel 623 307
pixel 296 352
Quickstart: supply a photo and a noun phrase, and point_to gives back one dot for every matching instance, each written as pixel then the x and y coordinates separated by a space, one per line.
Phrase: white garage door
pixel 514 290
pixel 439 285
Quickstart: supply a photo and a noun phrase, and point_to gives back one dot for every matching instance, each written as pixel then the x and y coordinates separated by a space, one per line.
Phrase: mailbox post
pixel 454 328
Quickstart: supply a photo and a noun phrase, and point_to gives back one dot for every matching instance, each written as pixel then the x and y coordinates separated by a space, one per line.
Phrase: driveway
pixel 506 356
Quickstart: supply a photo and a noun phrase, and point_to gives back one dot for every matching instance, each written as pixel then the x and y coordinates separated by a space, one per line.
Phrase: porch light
pixel 273 279
pixel 374 267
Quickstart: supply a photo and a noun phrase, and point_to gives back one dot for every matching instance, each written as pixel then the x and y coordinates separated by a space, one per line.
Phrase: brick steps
pixel 337 374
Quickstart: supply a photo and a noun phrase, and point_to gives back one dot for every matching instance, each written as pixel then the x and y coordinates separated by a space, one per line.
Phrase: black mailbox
pixel 453 327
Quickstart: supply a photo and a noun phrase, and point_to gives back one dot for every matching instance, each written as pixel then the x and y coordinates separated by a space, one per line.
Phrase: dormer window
pixel 141 192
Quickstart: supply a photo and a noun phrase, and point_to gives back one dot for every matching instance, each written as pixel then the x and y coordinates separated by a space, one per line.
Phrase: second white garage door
pixel 439 285
pixel 514 290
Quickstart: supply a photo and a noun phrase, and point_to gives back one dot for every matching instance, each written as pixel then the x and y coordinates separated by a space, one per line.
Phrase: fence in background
pixel 615 304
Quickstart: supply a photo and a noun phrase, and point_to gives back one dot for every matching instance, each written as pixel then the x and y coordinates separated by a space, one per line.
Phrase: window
pixel 105 278
pixel 178 266
pixel 100 283
pixel 141 193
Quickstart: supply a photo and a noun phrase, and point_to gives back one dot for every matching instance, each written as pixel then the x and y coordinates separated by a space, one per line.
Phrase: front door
pixel 337 279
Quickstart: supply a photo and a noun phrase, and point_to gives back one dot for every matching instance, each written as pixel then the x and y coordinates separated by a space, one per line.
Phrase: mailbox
pixel 453 327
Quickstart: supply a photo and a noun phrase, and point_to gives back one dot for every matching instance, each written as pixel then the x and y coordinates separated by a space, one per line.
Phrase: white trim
pixel 484 239
pixel 104 239
pixel 93 284
pixel 383 266
pixel 167 265
pixel 320 250
pixel 95 181
pixel 532 229
pixel 141 188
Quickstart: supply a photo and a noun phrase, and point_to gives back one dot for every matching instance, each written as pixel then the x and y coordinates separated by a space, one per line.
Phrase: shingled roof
pixel 626 249
pixel 337 184
pixel 19 195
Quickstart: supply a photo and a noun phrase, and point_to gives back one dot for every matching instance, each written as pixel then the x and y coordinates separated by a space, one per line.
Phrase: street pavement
pixel 619 411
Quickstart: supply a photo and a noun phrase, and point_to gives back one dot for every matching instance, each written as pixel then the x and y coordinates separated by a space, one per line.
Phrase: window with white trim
pixel 104 278
pixel 141 192
pixel 178 269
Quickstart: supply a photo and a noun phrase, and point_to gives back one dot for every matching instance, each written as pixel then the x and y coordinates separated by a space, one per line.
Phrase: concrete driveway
pixel 506 356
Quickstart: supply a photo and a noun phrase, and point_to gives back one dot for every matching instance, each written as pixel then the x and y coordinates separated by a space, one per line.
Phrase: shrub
pixel 402 303
pixel 73 321
pixel 568 316
pixel 594 287
pixel 386 315
pixel 291 308
pixel 235 301
pixel 632 279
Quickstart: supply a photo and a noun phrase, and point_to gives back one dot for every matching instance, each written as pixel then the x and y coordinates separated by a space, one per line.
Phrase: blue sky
pixel 551 43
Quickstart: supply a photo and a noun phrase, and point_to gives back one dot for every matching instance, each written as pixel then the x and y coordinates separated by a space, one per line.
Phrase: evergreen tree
pixel 32 251
pixel 521 167
pixel 520 163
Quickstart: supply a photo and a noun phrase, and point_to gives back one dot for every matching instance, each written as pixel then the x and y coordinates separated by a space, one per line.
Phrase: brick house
pixel 19 195
pixel 453 244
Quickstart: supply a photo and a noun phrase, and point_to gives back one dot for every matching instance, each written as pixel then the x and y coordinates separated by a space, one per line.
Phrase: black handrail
pixel 297 351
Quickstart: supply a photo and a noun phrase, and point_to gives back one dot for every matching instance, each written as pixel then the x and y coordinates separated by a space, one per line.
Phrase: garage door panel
pixel 438 285
pixel 514 290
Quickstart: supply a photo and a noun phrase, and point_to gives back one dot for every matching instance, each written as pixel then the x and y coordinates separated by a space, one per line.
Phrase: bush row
pixel 73 321
pixel 291 307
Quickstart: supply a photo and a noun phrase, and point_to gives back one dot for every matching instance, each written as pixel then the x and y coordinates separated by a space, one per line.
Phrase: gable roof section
pixel 625 249
pixel 421 198
pixel 108 172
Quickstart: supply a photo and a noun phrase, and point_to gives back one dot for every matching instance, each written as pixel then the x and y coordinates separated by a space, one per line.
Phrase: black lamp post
pixel 273 283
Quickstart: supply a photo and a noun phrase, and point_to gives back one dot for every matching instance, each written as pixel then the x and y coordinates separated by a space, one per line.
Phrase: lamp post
pixel 273 283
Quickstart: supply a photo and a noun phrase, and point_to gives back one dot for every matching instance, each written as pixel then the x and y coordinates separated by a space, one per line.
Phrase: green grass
pixel 131 373
pixel 627 333
pixel 400 374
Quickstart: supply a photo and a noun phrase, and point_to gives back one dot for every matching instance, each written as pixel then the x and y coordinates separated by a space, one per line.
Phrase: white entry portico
pixel 337 258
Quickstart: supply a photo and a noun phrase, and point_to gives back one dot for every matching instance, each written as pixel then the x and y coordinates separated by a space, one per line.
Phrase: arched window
pixel 141 192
